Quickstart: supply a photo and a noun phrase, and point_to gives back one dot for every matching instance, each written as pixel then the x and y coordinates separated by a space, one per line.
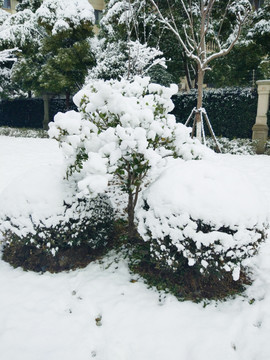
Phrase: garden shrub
pixel 232 111
pixel 123 129
pixel 83 224
pixel 233 146
pixel 209 221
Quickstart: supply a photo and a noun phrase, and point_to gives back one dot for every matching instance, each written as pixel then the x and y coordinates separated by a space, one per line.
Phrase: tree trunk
pixel 131 213
pixel 67 100
pixel 201 71
pixel 46 103
pixel 199 105
pixel 187 71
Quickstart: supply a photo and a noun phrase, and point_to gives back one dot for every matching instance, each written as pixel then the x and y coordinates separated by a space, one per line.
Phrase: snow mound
pixel 32 197
pixel 211 192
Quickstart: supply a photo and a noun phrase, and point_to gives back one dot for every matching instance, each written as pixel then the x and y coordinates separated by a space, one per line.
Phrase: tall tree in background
pixel 200 29
pixel 260 35
pixel 68 26
pixel 21 30
pixel 6 63
pixel 54 49
pixel 249 60
pixel 128 43
pixel 32 5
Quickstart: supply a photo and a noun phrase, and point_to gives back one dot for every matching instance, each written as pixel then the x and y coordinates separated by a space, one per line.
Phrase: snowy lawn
pixel 98 312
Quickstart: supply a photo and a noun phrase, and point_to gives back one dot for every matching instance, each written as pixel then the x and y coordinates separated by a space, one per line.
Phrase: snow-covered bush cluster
pixel 60 16
pixel 127 45
pixel 234 146
pixel 202 215
pixel 122 128
pixel 122 59
pixel 79 223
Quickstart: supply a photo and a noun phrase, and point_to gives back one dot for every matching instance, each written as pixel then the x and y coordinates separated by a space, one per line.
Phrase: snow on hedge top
pixel 60 15
pixel 205 190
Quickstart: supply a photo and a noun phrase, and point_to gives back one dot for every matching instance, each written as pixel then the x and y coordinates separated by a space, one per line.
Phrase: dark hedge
pixel 232 111
pixel 22 113
pixel 28 113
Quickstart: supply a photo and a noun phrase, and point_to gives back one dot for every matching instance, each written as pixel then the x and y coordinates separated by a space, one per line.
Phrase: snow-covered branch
pixel 8 55
pixel 192 40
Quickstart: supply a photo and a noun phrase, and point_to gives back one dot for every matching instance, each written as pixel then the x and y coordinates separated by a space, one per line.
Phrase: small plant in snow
pixel 23 132
pixel 124 129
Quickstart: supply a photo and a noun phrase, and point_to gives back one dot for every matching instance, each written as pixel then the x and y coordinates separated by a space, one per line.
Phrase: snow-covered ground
pixel 98 312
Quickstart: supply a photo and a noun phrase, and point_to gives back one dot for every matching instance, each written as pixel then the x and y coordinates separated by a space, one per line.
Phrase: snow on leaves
pixel 121 125
pixel 20 29
pixel 121 59
pixel 60 15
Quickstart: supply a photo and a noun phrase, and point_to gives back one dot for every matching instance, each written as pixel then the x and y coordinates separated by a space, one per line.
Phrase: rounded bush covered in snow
pixel 203 215
pixel 83 222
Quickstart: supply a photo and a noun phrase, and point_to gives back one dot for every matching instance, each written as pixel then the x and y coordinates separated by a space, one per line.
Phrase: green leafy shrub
pixel 123 129
pixel 22 113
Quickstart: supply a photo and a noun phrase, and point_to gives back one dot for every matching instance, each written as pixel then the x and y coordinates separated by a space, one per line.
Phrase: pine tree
pixel 54 54
pixel 66 46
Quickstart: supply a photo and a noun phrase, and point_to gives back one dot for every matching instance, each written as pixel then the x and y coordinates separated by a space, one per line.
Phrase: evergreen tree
pixel 128 42
pixel 66 45
pixel 54 51
pixel 260 35
pixel 249 59
pixel 33 5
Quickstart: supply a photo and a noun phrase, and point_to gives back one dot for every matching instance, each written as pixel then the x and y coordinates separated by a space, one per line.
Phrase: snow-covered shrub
pixel 203 216
pixel 23 132
pixel 234 146
pixel 82 222
pixel 123 128
pixel 122 59
pixel 128 43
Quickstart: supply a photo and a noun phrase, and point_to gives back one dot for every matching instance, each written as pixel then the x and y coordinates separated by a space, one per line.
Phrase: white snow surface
pixel 53 316
pixel 210 191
